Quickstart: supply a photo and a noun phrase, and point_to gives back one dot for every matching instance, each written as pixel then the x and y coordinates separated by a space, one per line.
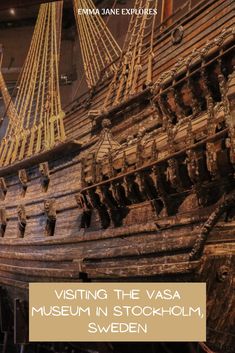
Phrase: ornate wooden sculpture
pixel 50 213
pixel 23 178
pixel 84 205
pixel 44 175
pixel 22 221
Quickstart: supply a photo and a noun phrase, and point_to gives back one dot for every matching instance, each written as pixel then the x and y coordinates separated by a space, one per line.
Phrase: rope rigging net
pixel 36 117
pixel 137 52
pixel 99 49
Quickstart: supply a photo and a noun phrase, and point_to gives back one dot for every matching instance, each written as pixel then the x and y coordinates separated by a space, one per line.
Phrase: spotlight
pixel 12 12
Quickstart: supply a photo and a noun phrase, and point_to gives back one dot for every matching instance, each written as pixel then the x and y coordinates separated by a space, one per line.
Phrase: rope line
pixel 36 116
pixel 99 49
pixel 137 52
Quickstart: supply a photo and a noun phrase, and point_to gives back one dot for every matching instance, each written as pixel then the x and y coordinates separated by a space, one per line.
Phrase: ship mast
pixel 37 123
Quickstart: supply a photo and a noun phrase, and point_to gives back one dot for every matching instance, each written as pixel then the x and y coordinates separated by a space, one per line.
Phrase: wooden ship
pixel 134 180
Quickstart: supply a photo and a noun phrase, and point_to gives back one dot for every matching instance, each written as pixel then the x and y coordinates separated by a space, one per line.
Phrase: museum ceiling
pixel 18 13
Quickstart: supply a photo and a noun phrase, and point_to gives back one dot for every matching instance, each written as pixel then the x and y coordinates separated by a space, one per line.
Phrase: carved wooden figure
pixel 205 85
pixel 165 109
pixel 139 154
pixel 84 205
pixel 96 200
pixel 161 201
pixel 193 96
pixel 44 175
pixel 22 220
pixel 50 214
pixel 192 166
pixel 211 159
pixel 172 174
pixel 23 178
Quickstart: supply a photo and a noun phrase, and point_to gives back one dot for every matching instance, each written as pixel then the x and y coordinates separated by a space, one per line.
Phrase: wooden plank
pixel 138 261
pixel 137 249
pixel 145 270
pixel 42 272
pixel 13 283
pixel 31 278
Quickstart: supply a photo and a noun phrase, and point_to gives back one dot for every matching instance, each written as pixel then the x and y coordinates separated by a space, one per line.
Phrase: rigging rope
pixel 99 48
pixel 83 75
pixel 36 118
pixel 137 52
pixel 9 106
